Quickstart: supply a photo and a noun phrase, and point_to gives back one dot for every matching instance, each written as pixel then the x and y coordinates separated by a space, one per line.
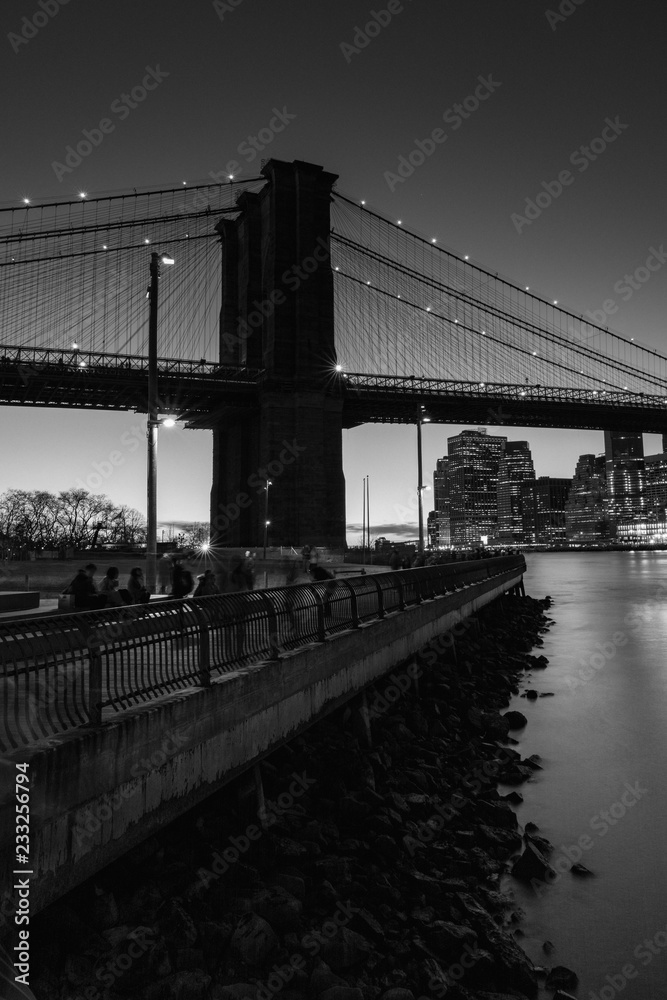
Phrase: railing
pixel 60 673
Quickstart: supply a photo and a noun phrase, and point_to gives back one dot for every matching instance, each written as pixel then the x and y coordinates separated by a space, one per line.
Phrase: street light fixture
pixel 266 512
pixel 153 423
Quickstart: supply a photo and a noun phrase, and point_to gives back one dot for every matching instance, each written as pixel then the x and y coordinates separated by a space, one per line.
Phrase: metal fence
pixel 59 673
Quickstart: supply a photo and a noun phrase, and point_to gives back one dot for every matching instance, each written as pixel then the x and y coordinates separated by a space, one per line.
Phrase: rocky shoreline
pixel 372 872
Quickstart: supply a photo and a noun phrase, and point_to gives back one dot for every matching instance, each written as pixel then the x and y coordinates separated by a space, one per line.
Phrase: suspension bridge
pixel 294 312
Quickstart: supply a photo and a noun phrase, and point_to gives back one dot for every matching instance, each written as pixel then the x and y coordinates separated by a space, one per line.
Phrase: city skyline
pixel 513 122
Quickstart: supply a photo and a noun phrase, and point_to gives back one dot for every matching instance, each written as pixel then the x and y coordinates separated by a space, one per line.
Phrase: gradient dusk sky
pixel 559 72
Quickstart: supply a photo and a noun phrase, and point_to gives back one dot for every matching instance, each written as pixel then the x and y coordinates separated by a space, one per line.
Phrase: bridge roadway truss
pixel 200 391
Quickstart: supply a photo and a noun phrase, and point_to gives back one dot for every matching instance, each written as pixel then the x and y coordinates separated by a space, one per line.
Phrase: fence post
pixel 94 679
pixel 204 658
pixel 381 611
pixel 319 604
pixel 272 618
pixel 353 605
pixel 401 592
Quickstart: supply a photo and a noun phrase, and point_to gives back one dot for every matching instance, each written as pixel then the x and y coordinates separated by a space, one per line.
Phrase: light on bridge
pixel 82 194
pixel 146 241
pixel 75 346
pixel 26 201
pixel 169 422
pixel 434 240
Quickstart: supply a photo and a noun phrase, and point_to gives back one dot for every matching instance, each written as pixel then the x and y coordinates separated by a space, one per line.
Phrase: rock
pixel 534 762
pixel 443 935
pixel 515 774
pixel 341 993
pixel 254 941
pixel 181 986
pixel 547 947
pixel 322 978
pixel 398 993
pixel 531 827
pixel 544 846
pixel 277 906
pixel 561 976
pixel 176 926
pixel 579 869
pixel 334 869
pixel 293 884
pixel 562 995
pixel 547 694
pixel 345 949
pixel 532 864
pixel 531 695
pixel 497 814
pixel 516 720
pixel 235 991
pixel 515 798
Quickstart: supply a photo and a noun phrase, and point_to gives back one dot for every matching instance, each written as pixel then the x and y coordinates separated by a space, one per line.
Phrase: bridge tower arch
pixel 277 315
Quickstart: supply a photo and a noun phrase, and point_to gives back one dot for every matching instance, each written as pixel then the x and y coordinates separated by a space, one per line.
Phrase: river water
pixel 603 741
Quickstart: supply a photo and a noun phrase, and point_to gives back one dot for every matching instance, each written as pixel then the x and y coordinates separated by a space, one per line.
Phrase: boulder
pixel 582 870
pixel 341 993
pixel 345 949
pixel 561 977
pixel 515 720
pixel 322 979
pixel 254 941
pixel 277 906
pixel 532 864
pixel 191 985
pixel 235 991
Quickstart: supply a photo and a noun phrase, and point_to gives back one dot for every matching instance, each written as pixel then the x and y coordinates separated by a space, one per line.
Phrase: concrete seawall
pixel 98 792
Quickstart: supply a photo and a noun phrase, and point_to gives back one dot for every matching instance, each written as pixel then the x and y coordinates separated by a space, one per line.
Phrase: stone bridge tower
pixel 277 315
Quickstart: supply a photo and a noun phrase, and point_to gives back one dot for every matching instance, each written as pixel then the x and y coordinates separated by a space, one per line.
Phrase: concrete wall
pixel 98 792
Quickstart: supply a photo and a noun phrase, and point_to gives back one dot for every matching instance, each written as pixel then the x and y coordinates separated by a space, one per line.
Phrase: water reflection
pixel 603 734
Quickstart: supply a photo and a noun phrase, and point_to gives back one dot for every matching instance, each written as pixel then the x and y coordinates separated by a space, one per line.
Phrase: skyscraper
pixel 585 509
pixel 441 503
pixel 655 490
pixel 624 454
pixel 544 502
pixel 515 468
pixel 473 460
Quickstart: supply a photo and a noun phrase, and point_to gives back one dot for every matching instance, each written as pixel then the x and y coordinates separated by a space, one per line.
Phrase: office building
pixel 543 509
pixel 624 455
pixel 441 504
pixel 655 487
pixel 585 510
pixel 514 470
pixel 472 474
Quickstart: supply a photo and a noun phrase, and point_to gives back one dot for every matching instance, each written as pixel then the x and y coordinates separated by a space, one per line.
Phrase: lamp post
pixel 266 513
pixel 420 487
pixel 152 424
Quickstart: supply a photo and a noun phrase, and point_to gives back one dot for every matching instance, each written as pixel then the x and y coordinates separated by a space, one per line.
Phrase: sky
pixel 355 101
